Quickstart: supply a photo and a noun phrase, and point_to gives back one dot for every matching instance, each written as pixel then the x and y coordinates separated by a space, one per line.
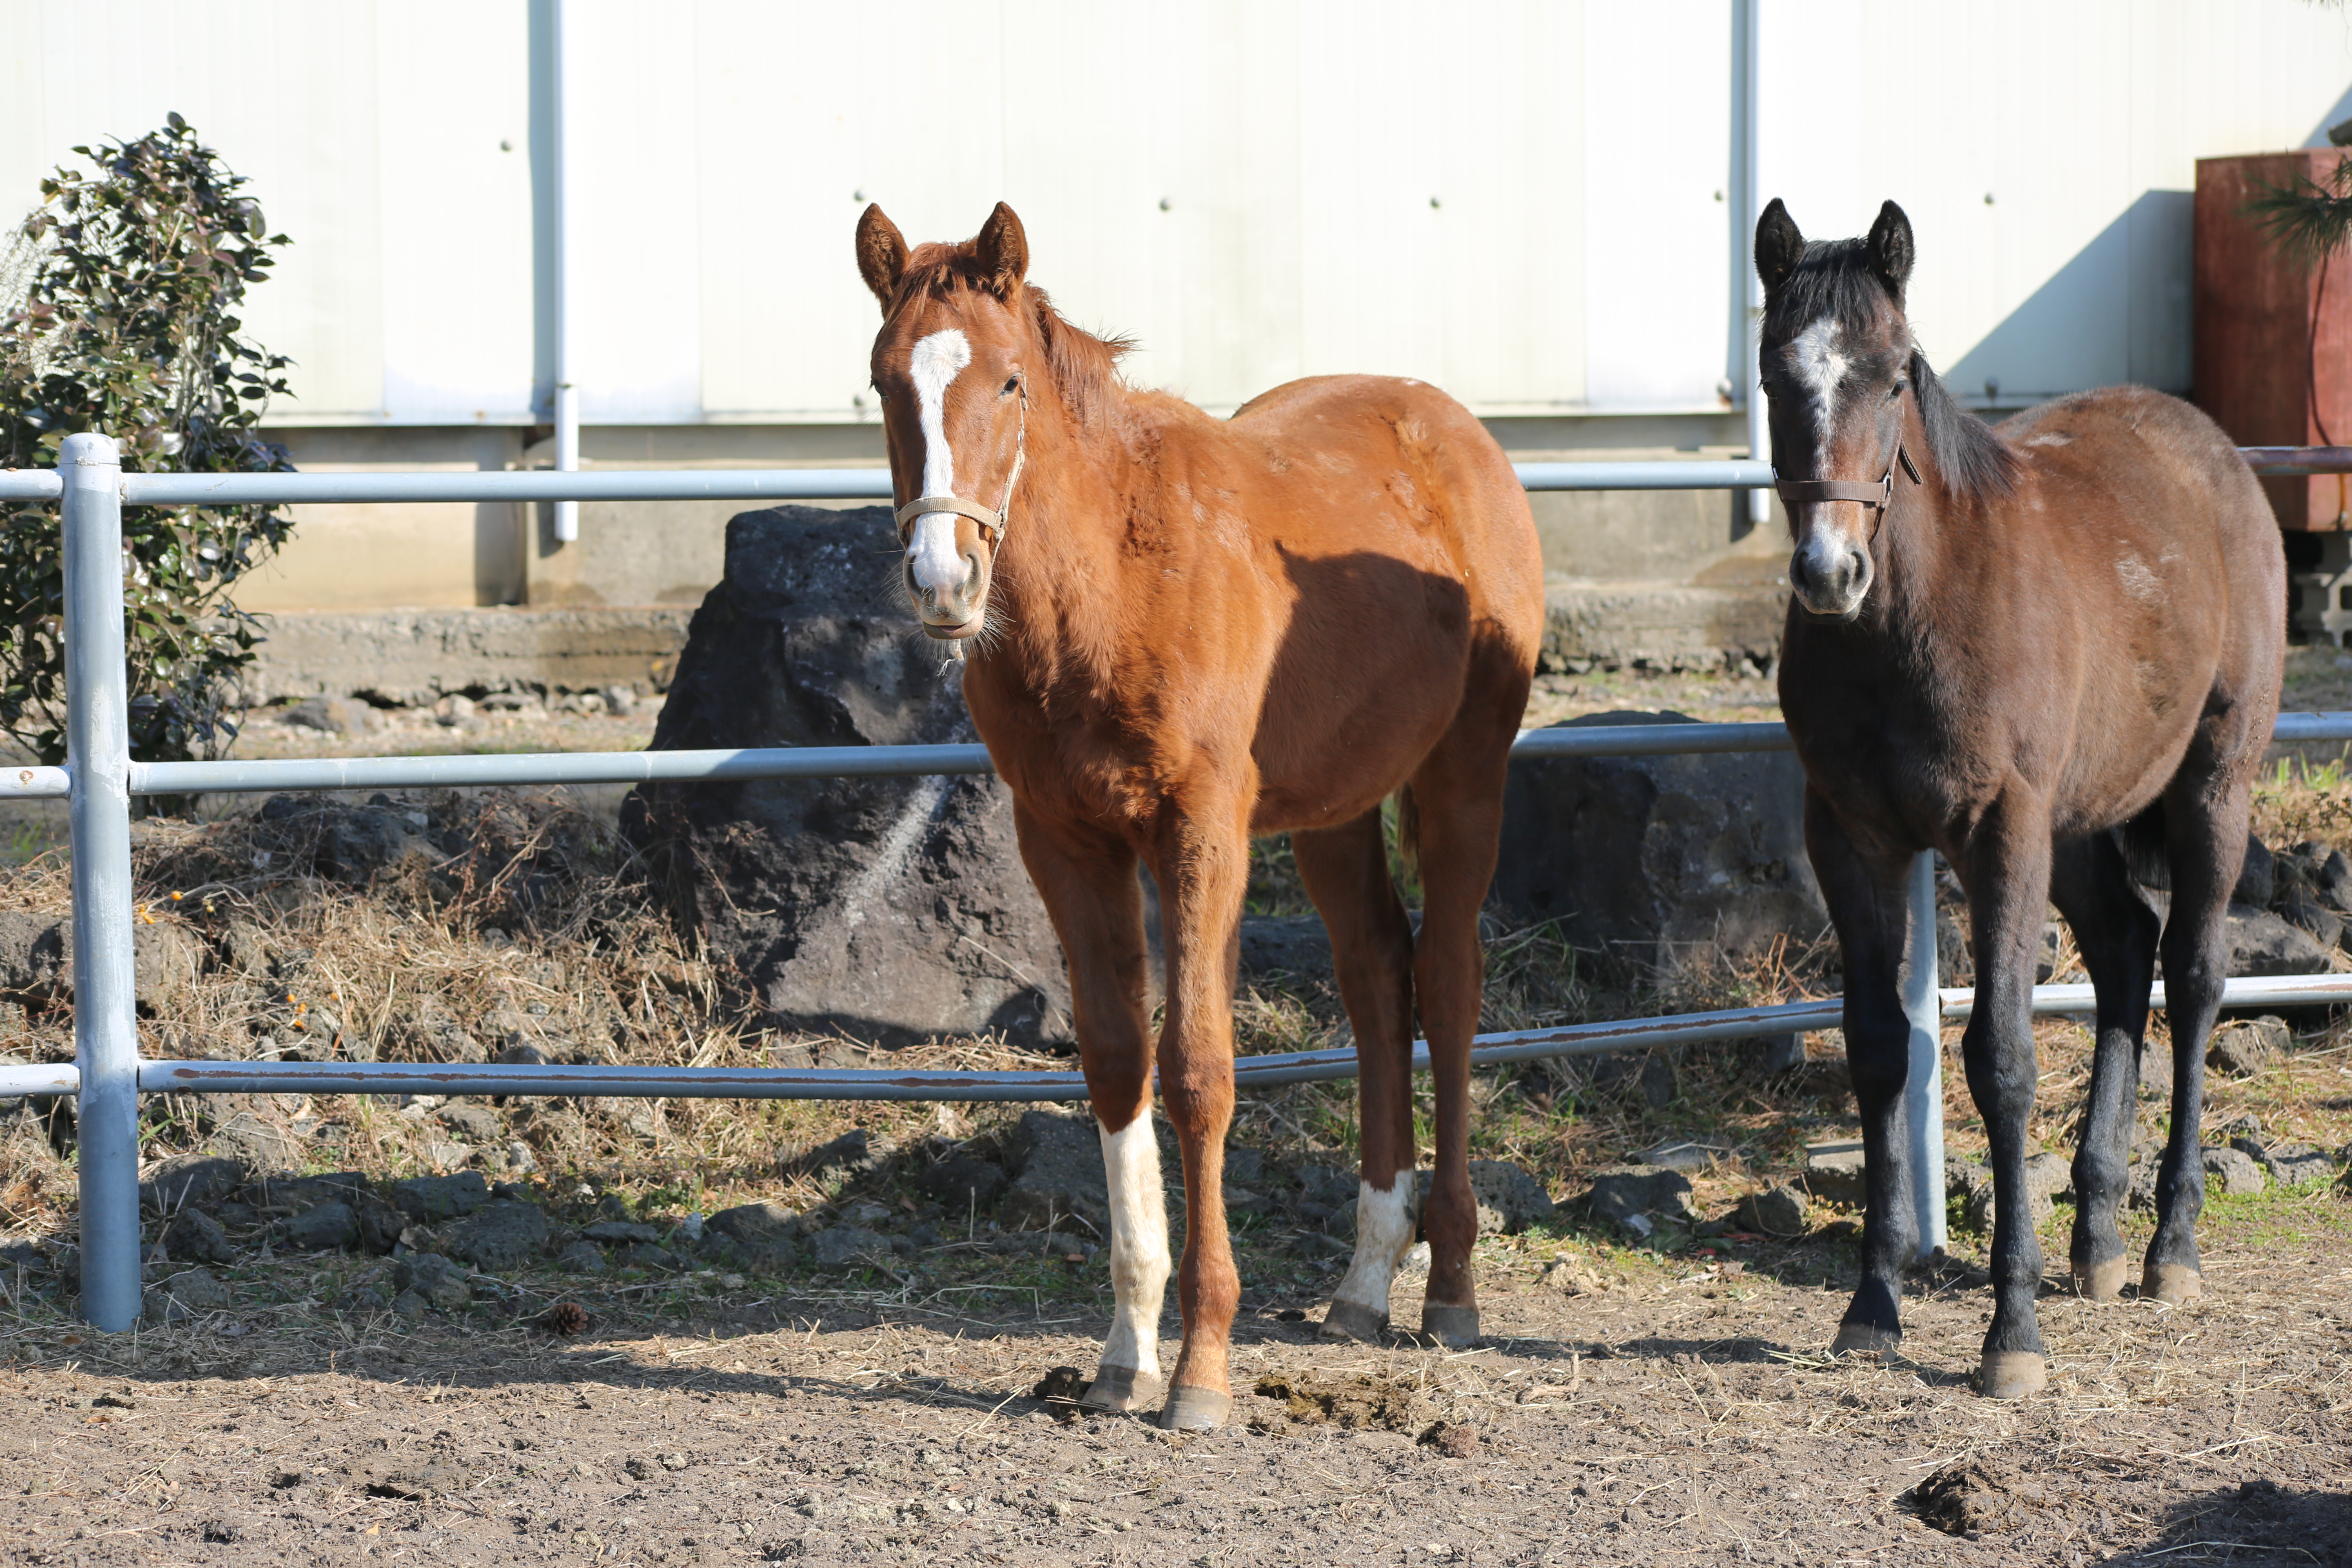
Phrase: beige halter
pixel 994 522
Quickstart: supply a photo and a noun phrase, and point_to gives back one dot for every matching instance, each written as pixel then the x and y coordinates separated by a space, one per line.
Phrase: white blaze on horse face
pixel 1139 1245
pixel 1821 366
pixel 937 564
pixel 1383 1231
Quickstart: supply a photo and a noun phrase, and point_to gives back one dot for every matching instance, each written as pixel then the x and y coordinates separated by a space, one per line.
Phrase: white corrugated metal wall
pixel 1517 199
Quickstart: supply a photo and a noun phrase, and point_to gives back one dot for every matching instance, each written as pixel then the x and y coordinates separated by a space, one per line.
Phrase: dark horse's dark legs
pixel 2115 932
pixel 1867 905
pixel 2006 870
pixel 2205 812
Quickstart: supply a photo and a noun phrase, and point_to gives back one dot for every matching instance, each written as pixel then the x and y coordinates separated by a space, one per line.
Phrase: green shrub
pixel 125 284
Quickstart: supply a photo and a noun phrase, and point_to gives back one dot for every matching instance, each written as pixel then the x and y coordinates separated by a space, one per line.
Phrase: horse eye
pixel 1012 386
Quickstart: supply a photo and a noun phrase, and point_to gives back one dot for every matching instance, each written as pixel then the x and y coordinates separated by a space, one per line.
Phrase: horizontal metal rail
pixel 474 770
pixel 859 483
pixel 1256 1072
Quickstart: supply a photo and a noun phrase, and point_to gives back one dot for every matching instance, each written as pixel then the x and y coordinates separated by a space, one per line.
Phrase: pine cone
pixel 566 1319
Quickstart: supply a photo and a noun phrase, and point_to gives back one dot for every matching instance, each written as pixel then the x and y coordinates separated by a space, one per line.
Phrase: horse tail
pixel 1408 832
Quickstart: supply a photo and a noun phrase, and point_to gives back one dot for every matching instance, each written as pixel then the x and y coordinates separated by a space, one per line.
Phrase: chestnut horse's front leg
pixel 1201 861
pixel 1086 880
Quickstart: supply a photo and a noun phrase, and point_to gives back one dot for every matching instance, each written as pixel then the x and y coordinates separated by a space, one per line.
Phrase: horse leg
pixel 1086 881
pixel 1867 904
pixel 1457 799
pixel 2115 932
pixel 1202 860
pixel 2006 868
pixel 1346 870
pixel 2205 814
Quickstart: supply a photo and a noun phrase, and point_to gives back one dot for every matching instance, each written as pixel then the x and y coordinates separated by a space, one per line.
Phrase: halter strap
pixel 994 522
pixel 1874 495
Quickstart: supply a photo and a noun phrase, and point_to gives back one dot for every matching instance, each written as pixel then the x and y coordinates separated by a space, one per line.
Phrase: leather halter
pixel 1875 496
pixel 994 522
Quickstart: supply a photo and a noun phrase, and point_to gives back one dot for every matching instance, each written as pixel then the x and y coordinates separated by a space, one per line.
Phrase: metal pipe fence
pixel 107 1075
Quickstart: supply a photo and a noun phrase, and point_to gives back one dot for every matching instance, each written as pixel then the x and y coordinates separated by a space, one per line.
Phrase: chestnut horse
pixel 1184 631
pixel 2037 648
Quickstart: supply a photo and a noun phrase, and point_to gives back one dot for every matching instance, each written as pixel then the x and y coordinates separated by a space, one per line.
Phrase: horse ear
pixel 1778 246
pixel 1004 251
pixel 1891 250
pixel 881 253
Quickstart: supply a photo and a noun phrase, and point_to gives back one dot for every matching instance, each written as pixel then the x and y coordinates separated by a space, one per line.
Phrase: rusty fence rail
pixel 108 1074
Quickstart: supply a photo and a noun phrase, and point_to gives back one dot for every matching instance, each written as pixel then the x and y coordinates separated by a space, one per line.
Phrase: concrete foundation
pixel 408 602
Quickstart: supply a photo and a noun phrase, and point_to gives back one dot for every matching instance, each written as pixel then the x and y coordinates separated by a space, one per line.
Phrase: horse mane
pixel 1835 278
pixel 1084 366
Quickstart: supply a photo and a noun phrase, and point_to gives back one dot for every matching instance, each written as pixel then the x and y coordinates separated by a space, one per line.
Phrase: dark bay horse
pixel 2033 647
pixel 1185 631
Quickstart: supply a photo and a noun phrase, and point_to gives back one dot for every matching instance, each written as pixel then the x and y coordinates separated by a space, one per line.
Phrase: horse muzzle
pixel 1831 577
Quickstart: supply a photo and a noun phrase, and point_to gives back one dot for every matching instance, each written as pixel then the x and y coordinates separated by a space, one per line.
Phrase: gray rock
pixel 1776 1054
pixel 434 1198
pixel 1273 946
pixel 611 1231
pixel 474 1123
pixel 1683 1155
pixel 411 1305
pixel 1509 1199
pixel 963 1183
pixel 288 1193
pixel 805 643
pixel 864 1212
pixel 580 1257
pixel 347 843
pixel 379 1224
pixel 36 960
pixel 191 1181
pixel 1660 1083
pixel 1325 1184
pixel 1777 1211
pixel 2144 1170
pixel 2257 879
pixel 435 1278
pixel 2307 915
pixel 2048 1177
pixel 849 1245
pixel 499 1235
pixel 2247 1047
pixel 195 1236
pixel 190 1293
pixel 646 1255
pixel 1624 1194
pixel 2331 875
pixel 1056 1159
pixel 334 716
pixel 753 1227
pixel 2233 1172
pixel 844 1159
pixel 362 1302
pixel 1658 859
pixel 318 1229
pixel 1833 1174
pixel 2260 942
pixel 2289 1164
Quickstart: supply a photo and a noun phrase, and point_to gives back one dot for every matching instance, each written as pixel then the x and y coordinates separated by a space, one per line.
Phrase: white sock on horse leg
pixel 1139 1245
pixel 1383 1231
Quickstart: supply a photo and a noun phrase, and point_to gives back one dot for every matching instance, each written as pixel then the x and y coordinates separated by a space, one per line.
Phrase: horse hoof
pixel 1352 1321
pixel 1455 1328
pixel 1122 1388
pixel 2173 1284
pixel 1190 1409
pixel 2012 1375
pixel 1865 1338
pixel 2099 1281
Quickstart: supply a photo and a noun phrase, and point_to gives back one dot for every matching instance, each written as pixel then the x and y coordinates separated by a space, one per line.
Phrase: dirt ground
pixel 1665 1402
pixel 1681 1411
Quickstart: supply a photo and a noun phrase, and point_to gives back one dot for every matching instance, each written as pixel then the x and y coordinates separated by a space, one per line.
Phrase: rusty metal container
pixel 2273 336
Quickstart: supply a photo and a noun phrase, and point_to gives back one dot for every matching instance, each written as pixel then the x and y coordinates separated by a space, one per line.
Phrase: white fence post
pixel 98 745
pixel 1923 1093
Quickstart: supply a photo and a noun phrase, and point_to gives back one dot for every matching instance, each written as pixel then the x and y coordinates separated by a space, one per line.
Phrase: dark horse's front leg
pixel 2006 870
pixel 1867 903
